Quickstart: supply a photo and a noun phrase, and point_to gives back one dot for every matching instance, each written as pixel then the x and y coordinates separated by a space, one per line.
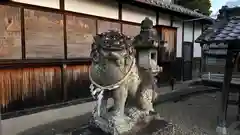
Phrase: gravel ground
pixel 196 115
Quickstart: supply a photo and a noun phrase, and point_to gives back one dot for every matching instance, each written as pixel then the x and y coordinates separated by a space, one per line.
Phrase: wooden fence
pixel 30 87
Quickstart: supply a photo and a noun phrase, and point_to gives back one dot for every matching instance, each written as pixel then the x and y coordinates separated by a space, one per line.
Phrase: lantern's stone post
pixel 146 45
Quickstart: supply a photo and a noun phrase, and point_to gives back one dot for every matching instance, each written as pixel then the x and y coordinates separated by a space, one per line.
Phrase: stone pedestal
pixel 135 123
pixel 152 127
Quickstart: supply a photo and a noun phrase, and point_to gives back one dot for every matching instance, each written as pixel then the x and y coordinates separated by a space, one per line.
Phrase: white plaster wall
pixel 135 14
pixel 103 8
pixel 188 31
pixel 164 19
pixel 179 37
pixel 197 47
pixel 44 3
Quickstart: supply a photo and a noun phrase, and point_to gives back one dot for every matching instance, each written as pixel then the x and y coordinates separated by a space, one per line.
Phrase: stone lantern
pixel 146 45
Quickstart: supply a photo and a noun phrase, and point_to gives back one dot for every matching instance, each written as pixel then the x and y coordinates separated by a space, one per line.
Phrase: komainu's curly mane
pixel 111 41
pixel 113 55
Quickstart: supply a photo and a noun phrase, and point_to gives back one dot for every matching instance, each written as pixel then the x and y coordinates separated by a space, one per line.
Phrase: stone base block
pixel 150 125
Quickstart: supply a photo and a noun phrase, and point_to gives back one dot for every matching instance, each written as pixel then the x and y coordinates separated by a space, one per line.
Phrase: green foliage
pixel 202 5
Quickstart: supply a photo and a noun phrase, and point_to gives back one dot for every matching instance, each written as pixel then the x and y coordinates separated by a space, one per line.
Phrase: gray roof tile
pixel 236 30
pixel 174 7
pixel 226 29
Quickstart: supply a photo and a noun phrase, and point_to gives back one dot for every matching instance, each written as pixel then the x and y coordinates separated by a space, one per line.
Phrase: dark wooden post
pixel 203 58
pixel 0 120
pixel 63 82
pixel 225 92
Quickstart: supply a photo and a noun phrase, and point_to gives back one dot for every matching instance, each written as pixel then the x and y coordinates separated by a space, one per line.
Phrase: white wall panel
pixel 164 19
pixel 103 8
pixel 197 47
pixel 135 14
pixel 179 37
pixel 44 3
pixel 188 32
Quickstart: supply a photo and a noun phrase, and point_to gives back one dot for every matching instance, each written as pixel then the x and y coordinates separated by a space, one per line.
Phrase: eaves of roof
pixel 175 8
pixel 222 31
pixel 203 37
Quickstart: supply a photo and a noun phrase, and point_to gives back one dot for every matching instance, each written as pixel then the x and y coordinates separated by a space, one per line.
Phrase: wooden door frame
pixel 163 62
pixel 192 48
pixel 159 29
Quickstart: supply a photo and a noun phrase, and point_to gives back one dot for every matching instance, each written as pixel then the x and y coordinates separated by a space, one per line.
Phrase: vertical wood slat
pixel 62 7
pixel 76 81
pixel 63 82
pixel 23 33
pixel 63 67
pixel 120 15
pixel 32 87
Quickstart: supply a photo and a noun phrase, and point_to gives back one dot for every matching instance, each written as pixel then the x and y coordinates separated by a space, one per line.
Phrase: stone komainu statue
pixel 114 73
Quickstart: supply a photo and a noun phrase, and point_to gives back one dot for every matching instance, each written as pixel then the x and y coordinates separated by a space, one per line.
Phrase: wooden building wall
pixel 30 87
pixel 39 39
pixel 44 54
pixel 167 54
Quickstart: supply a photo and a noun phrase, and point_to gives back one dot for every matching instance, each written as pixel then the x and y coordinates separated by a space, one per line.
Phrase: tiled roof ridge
pixel 201 38
pixel 225 29
pixel 229 13
pixel 175 7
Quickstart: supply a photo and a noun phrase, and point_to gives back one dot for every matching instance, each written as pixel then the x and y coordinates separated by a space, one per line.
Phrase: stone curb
pixel 181 93
pixel 45 108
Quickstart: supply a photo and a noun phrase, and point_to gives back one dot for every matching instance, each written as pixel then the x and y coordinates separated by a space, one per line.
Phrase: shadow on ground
pixel 59 126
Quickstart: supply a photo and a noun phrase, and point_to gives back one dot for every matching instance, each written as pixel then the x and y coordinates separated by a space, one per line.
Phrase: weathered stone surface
pixel 149 125
pixel 152 125
pixel 116 73
pixel 113 125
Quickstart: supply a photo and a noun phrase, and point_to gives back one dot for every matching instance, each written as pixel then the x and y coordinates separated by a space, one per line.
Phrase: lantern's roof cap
pixel 146 23
pixel 148 37
pixel 225 29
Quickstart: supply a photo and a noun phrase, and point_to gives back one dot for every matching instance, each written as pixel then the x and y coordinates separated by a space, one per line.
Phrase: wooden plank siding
pixel 31 87
pixel 43 41
pixel 33 74
pixel 167 54
pixel 77 82
pixel 34 67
